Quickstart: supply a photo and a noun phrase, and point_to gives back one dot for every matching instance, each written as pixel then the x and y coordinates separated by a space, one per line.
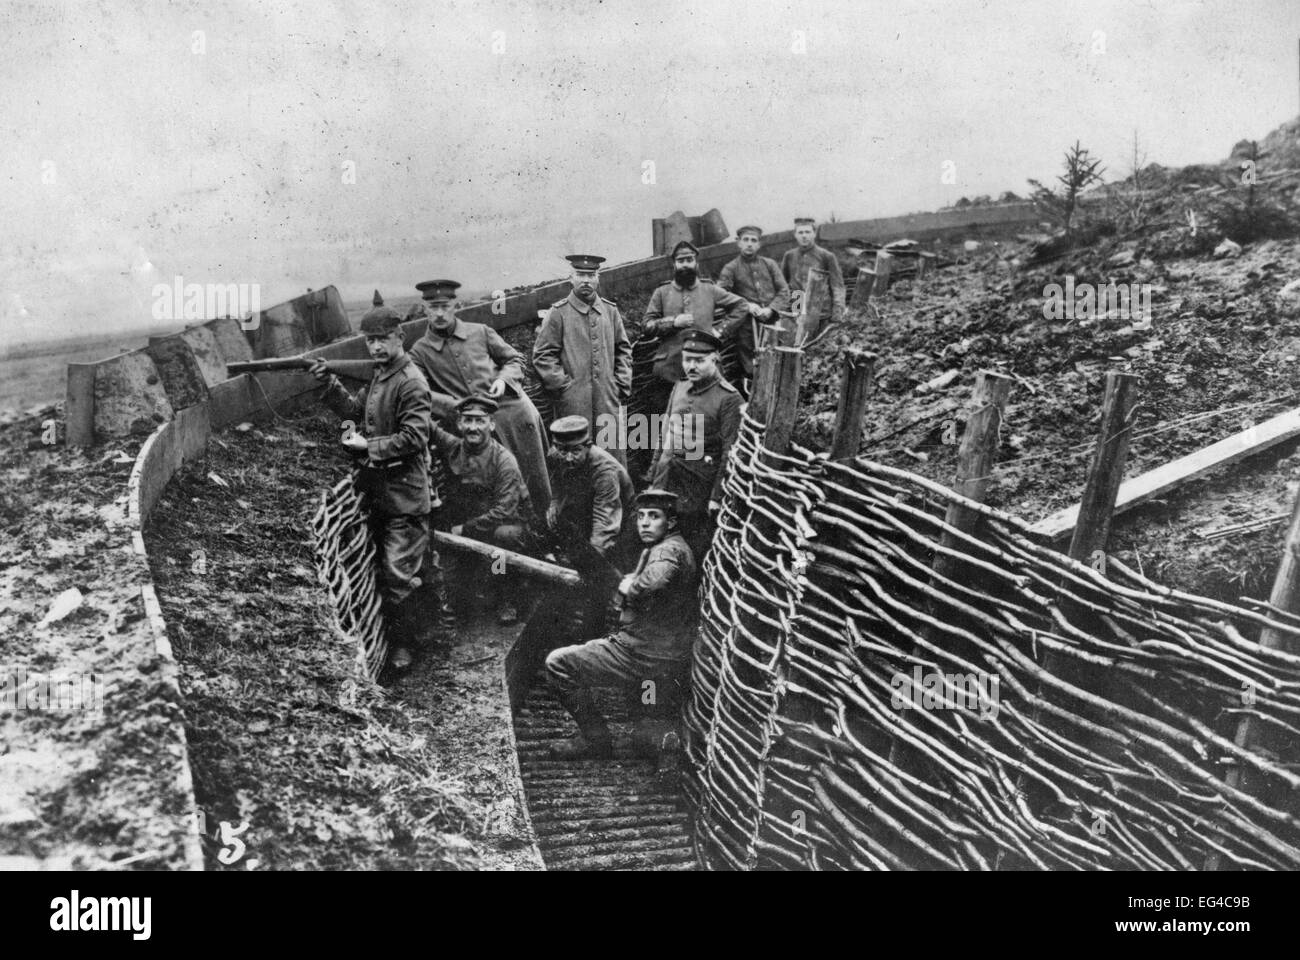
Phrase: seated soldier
pixel 485 494
pixel 650 652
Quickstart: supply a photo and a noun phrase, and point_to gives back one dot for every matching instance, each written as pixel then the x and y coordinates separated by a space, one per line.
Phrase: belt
pixel 388 465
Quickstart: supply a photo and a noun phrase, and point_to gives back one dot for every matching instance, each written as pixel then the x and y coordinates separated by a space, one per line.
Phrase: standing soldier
pixel 653 642
pixel 760 281
pixel 703 420
pixel 392 437
pixel 459 358
pixel 677 308
pixel 583 356
pixel 795 266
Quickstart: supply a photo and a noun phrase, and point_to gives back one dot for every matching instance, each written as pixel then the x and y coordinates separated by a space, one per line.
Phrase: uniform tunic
pixel 583 357
pixel 393 413
pixel 697 480
pixel 655 636
pixel 486 492
pixel 795 266
pixel 699 300
pixel 467 361
pixel 759 280
pixel 592 499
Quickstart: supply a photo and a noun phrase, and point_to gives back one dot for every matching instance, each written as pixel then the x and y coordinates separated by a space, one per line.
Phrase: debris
pixel 244 427
pixel 63 605
pixel 939 382
pixel 216 478
pixel 1227 248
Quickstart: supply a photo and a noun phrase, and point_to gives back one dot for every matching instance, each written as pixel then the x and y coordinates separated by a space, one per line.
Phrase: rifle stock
pixel 360 370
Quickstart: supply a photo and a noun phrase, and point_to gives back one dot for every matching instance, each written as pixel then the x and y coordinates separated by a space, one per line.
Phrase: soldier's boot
pixel 593 740
pixel 669 754
pixel 400 618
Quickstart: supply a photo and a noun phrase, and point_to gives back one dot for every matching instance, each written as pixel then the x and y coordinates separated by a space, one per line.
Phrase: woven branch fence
pixel 345 563
pixel 852 709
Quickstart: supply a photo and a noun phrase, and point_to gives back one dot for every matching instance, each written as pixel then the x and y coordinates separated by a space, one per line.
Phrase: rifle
pixel 360 370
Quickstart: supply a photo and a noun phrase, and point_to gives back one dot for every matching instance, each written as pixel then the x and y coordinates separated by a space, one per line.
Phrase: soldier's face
pixel 585 283
pixel 685 261
pixel 442 314
pixel 749 244
pixel 653 524
pixel 803 235
pixel 385 347
pixel 570 453
pixel 699 366
pixel 475 427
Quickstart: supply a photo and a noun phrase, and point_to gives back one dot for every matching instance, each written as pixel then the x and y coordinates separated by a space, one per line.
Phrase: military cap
pixel 381 320
pixel 804 221
pixel 659 499
pixel 684 245
pixel 570 429
pixel 756 231
pixel 700 341
pixel 585 261
pixel 438 291
pixel 378 301
pixel 477 403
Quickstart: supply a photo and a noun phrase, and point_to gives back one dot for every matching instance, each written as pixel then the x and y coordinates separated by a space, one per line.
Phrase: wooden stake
pixel 1286 597
pixel 1097 505
pixel 856 378
pixel 784 405
pixel 978 447
pixel 884 262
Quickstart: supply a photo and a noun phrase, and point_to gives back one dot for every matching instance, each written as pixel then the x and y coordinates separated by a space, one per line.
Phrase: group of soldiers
pixel 457 397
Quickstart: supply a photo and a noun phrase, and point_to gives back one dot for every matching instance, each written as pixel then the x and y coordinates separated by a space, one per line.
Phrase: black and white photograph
pixel 680 437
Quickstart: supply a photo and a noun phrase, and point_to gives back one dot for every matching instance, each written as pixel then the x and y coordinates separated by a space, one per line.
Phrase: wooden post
pixel 884 261
pixel 978 447
pixel 855 383
pixel 925 264
pixel 79 408
pixel 816 303
pixel 1286 597
pixel 784 405
pixel 1107 470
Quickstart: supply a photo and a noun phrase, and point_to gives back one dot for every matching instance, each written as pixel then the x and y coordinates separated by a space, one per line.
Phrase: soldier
pixel 760 281
pixel 653 643
pixel 702 422
pixel 486 498
pixel 680 306
pixel 797 262
pixel 391 438
pixel 459 358
pixel 593 497
pixel 583 357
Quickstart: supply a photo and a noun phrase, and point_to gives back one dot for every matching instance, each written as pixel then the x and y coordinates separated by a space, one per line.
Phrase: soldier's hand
pixel 683 320
pixel 625 584
pixel 755 310
pixel 552 514
pixel 458 530
pixel 714 506
pixel 767 315
pixel 354 441
pixel 319 370
pixel 497 388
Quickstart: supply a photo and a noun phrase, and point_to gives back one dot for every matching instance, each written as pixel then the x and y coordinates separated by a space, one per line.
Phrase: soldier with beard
pixel 683 305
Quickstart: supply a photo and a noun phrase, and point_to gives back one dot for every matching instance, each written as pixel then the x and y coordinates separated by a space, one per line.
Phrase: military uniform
pixel 795 266
pixel 759 280
pixel 393 414
pixel 583 357
pixel 700 301
pixel 697 481
pixel 485 493
pixel 653 642
pixel 466 362
pixel 592 500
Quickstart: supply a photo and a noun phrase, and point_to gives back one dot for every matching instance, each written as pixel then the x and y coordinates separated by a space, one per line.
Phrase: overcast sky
pixel 212 140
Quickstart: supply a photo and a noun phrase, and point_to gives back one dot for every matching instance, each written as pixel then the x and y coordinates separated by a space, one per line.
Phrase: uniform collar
pixel 383 373
pixel 438 342
pixel 581 306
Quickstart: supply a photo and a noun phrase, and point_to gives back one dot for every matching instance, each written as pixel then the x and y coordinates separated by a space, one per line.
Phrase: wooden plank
pixel 1165 478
